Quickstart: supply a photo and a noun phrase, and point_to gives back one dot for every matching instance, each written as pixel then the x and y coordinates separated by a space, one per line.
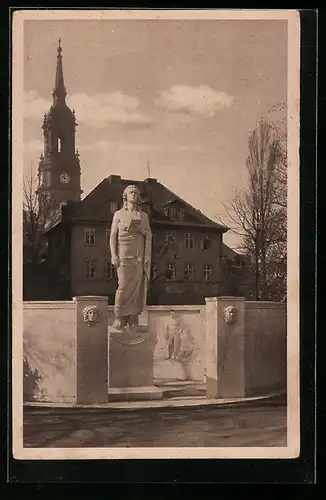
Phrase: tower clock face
pixel 64 178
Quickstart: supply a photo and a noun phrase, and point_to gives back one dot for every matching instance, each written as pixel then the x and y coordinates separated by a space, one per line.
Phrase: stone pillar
pixel 225 347
pixel 131 365
pixel 92 349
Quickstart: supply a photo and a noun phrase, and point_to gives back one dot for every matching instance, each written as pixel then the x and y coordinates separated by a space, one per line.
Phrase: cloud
pixel 96 110
pixel 35 106
pixel 203 101
pixel 100 110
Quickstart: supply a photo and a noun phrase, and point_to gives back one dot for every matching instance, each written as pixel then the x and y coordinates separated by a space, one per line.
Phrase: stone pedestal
pixel 130 365
pixel 225 347
pixel 92 348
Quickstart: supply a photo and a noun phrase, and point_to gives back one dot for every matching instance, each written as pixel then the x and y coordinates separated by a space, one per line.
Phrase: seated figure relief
pixel 179 341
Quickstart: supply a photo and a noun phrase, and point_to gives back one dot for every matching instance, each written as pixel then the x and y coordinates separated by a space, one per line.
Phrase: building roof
pixel 229 253
pixel 96 205
pixel 59 108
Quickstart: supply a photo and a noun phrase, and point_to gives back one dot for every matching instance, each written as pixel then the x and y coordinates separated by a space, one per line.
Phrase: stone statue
pixel 130 245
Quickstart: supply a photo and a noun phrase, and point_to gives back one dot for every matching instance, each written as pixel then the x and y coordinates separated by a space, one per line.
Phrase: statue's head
pixel 132 195
pixel 91 315
pixel 229 314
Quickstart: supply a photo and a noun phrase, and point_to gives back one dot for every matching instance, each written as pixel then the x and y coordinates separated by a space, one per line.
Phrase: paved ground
pixel 262 424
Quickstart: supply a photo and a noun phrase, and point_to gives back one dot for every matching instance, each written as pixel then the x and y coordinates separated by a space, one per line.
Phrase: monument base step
pixel 146 393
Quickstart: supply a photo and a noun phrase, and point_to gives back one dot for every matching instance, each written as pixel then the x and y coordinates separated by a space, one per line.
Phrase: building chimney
pixel 114 178
pixel 151 180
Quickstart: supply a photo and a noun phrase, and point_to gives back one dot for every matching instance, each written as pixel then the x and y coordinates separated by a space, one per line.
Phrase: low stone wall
pixel 49 349
pixel 191 343
pixel 65 354
pixel 265 347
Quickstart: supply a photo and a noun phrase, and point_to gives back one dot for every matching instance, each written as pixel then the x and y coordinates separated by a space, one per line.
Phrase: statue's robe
pixel 134 246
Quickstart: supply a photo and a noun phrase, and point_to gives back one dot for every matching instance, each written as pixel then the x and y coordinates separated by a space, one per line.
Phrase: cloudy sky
pixel 181 95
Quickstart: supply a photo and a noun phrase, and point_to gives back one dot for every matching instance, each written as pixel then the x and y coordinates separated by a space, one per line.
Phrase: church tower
pixel 59 166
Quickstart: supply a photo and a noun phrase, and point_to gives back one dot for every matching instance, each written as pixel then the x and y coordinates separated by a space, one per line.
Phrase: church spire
pixel 59 91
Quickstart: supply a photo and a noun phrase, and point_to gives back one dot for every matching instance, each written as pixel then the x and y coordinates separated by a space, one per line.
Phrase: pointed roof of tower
pixel 59 91
pixel 59 106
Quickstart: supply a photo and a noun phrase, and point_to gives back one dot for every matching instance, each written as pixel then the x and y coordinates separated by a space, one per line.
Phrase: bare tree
pixel 279 126
pixel 40 212
pixel 258 212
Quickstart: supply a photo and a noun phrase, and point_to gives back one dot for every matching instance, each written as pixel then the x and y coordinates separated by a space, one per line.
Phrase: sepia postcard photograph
pixel 155 234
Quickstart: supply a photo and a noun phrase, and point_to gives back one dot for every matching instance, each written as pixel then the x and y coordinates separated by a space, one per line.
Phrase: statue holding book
pixel 130 245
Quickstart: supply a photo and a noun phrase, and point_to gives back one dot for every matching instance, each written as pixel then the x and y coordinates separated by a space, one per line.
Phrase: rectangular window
pixel 171 272
pixel 90 269
pixel 170 237
pixel 154 273
pixel 237 262
pixel 206 241
pixel 89 236
pixel 207 272
pixel 113 206
pixel 110 270
pixel 189 240
pixel 46 178
pixel 189 271
pixel 107 237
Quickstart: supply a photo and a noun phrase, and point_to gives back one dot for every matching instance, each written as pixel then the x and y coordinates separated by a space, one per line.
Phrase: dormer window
pixel 174 213
pixel 180 213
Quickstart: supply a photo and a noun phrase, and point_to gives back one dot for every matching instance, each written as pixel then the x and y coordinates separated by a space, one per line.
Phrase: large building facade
pixel 186 252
